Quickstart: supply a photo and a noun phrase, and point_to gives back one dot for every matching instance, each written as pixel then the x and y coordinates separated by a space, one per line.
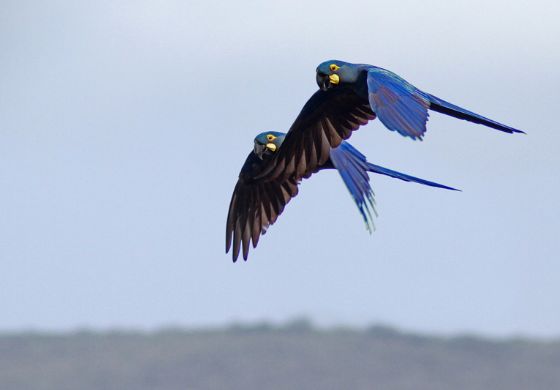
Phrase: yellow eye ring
pixel 270 137
pixel 334 67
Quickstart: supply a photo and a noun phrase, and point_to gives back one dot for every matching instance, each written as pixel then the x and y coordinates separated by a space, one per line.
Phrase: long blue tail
pixel 440 105
pixel 398 175
pixel 353 168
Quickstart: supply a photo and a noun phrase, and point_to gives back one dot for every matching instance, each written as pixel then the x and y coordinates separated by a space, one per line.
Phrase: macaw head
pixel 334 72
pixel 268 143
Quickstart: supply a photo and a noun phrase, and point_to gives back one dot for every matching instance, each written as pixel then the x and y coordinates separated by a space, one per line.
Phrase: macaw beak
pixel 260 149
pixel 325 81
pixel 322 81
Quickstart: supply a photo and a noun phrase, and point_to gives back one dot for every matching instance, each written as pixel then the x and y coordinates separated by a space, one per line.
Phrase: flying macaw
pixel 349 96
pixel 399 105
pixel 256 203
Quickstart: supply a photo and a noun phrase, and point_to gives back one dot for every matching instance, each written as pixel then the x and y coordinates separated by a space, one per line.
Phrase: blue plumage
pixel 350 96
pixel 399 105
pixel 353 167
pixel 440 105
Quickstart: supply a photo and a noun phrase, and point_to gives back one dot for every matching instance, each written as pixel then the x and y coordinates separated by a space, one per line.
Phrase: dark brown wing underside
pixel 254 207
pixel 325 120
pixel 328 118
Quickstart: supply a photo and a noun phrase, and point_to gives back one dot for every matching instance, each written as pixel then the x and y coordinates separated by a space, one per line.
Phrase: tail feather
pixel 353 167
pixel 440 105
pixel 397 175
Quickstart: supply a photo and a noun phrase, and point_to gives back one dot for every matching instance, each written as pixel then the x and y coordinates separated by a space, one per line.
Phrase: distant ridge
pixel 295 355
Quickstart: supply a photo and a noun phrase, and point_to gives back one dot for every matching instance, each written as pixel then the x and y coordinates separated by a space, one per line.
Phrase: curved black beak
pixel 323 81
pixel 259 149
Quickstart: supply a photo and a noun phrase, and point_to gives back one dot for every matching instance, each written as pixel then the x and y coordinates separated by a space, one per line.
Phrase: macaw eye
pixel 270 137
pixel 334 67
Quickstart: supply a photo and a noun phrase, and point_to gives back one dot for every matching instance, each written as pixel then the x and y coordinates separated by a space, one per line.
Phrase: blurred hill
pixel 262 356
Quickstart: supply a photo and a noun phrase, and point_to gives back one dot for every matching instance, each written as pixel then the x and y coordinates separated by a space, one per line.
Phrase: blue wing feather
pixel 402 107
pixel 398 104
pixel 353 167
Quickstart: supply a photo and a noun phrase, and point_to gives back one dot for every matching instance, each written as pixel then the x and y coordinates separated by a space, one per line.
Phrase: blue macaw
pixel 349 96
pixel 257 203
pixel 399 105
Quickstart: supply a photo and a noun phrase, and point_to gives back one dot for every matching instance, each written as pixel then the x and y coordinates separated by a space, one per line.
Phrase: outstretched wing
pixel 253 208
pixel 328 118
pixel 265 187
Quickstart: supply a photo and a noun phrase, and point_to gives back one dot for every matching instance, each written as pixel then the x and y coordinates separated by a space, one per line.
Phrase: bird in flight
pixel 256 204
pixel 349 96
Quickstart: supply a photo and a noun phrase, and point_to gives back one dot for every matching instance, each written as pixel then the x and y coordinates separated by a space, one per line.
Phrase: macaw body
pixel 259 202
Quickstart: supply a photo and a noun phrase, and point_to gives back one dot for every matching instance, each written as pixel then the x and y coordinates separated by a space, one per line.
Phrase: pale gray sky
pixel 123 125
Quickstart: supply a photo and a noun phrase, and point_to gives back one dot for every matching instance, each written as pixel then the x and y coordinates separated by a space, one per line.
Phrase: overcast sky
pixel 123 126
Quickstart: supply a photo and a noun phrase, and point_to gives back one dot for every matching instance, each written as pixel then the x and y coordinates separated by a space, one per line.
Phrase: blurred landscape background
pixel 295 355
pixel 123 127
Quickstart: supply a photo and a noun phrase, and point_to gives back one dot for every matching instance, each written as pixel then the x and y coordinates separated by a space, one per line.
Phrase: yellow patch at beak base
pixel 271 146
pixel 334 79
